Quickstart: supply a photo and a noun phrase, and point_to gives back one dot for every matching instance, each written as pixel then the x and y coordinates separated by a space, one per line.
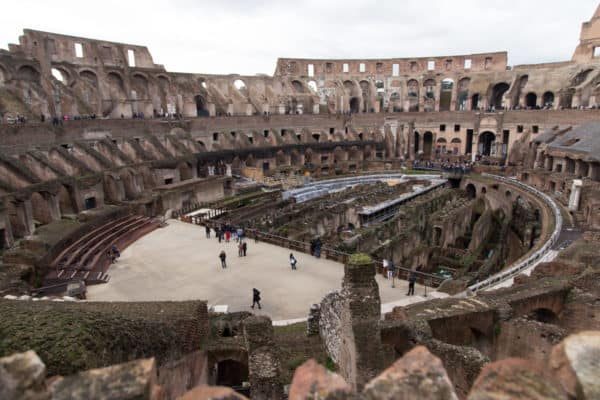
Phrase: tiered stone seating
pixel 87 258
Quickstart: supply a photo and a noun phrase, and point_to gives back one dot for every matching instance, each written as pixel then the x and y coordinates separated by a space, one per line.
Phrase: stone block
pixel 313 381
pixel 22 377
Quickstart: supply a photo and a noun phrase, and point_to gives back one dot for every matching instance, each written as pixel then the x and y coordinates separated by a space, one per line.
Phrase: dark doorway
pixel 232 374
pixel 498 94
pixel 469 144
pixel 354 105
pixel 90 203
pixel 416 144
pixel 475 102
pixel 531 100
pixel 201 110
pixel 427 144
pixel 486 142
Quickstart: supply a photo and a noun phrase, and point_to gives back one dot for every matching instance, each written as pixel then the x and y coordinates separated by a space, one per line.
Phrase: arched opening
pixel 298 86
pixel 446 94
pixel 437 235
pixel 531 100
pixel 366 95
pixel 416 143
pixel 427 144
pixel 40 209
pixel 497 99
pixel 231 373
pixel 471 191
pixel 60 75
pixel 28 73
pixel 455 145
pixel 354 105
pixel 486 143
pixel 240 86
pixel 413 95
pixel 185 171
pixel 463 94
pixel 481 341
pixel 544 315
pixel 201 109
pixel 548 99
pixel 475 102
pixel 65 202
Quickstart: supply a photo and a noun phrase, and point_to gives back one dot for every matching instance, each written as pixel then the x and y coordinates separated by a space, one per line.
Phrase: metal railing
pixel 536 256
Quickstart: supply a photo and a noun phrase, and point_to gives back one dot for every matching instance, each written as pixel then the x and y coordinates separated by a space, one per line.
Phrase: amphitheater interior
pixel 476 182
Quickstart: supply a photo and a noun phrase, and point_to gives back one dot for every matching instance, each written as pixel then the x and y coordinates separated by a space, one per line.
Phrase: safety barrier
pixel 538 254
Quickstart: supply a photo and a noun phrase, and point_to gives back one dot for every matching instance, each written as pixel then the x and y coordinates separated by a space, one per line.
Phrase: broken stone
pixel 514 378
pixel 22 377
pixel 212 393
pixel 417 375
pixel 128 381
pixel 313 381
pixel 576 363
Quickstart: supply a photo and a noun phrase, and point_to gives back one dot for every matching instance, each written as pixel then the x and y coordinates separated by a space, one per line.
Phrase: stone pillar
pixel 312 323
pixel 575 195
pixel 263 365
pixel 360 349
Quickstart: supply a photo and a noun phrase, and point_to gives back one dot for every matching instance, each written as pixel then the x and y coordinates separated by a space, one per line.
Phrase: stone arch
pixel 471 191
pixel 116 85
pixel 308 155
pixel 354 105
pixel 240 86
pixel 486 143
pixel 455 145
pixel 28 73
pixel 339 155
pixel 186 171
pixel 250 161
pixel 61 75
pixel 548 99
pixel 530 100
pixel 298 86
pixel 497 95
pixel 365 90
pixel 446 94
pixel 354 153
pixel 280 158
pixel 40 208
pixel 462 96
pixel 416 141
pixel 475 101
pixel 201 106
pixel 65 201
pixel 544 315
pixel 296 158
pixel 139 82
pixel 412 87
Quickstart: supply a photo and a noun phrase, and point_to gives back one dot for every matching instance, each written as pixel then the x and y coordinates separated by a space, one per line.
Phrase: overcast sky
pixel 246 37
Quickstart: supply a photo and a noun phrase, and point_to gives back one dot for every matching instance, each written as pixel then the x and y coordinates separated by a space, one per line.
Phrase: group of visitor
pixel 389 272
pixel 444 165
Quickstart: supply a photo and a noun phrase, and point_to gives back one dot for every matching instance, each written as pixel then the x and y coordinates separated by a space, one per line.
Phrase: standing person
pixel 412 278
pixel 223 256
pixel 240 249
pixel 240 234
pixel 207 231
pixel 391 269
pixel 255 298
pixel 244 248
pixel 386 268
pixel 218 234
pixel 227 235
pixel 293 261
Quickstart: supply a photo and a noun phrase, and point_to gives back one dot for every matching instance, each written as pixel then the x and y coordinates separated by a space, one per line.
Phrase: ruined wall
pixel 70 337
pixel 330 324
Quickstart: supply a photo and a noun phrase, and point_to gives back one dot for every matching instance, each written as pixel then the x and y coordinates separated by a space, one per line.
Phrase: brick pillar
pixel 360 349
pixel 263 364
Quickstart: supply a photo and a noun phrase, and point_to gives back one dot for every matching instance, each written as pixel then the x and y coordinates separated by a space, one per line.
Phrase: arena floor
pixel 178 263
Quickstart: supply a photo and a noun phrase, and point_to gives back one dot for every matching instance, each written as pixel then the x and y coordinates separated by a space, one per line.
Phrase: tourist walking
pixel 240 249
pixel 223 256
pixel 244 248
pixel 218 234
pixel 391 269
pixel 255 298
pixel 386 266
pixel 207 231
pixel 412 278
pixel 227 236
pixel 240 234
pixel 293 261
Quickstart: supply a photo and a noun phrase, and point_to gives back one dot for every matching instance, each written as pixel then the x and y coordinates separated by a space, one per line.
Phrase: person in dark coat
pixel 255 298
pixel 223 256
pixel 412 278
pixel 293 261
pixel 244 248
pixel 207 231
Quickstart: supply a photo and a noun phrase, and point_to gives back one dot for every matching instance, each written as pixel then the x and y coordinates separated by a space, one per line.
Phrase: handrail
pixel 538 254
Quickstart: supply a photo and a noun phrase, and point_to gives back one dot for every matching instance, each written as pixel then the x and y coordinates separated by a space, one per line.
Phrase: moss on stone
pixel 360 259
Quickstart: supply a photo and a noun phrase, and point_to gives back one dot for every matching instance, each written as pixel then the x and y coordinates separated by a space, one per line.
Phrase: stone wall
pixel 330 324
